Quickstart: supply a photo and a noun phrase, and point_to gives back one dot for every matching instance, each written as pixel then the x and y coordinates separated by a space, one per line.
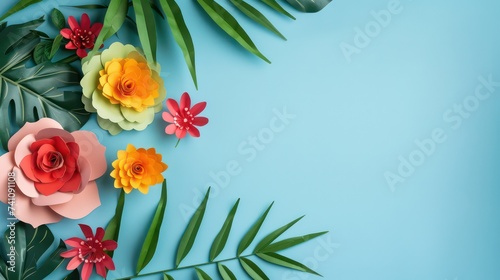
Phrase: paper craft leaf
pixel 281 260
pixel 19 6
pixel 225 272
pixel 309 6
pixel 252 232
pixel 290 242
pixel 252 269
pixel 202 275
pixel 222 236
pixel 28 94
pixel 277 7
pixel 256 16
pixel 273 235
pixel 112 231
pixel 146 28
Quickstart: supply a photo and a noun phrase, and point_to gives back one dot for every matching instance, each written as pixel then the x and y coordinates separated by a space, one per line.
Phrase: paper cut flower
pixel 81 36
pixel 138 169
pixel 184 118
pixel 90 251
pixel 54 172
pixel 122 88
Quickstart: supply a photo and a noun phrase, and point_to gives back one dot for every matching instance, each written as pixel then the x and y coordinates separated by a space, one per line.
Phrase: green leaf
pixel 74 275
pixel 252 232
pixel 55 45
pixel 112 230
pixel 113 20
pixel 257 16
pixel 18 7
pixel 88 7
pixel 58 19
pixel 28 94
pixel 230 25
pixel 167 277
pixel 181 34
pixel 222 236
pixel 151 241
pixel 252 269
pixel 290 242
pixel 40 52
pixel 156 9
pixel 273 235
pixel 225 272
pixel 285 262
pixel 51 264
pixel 277 7
pixel 202 275
pixel 146 28
pixel 191 231
pixel 309 6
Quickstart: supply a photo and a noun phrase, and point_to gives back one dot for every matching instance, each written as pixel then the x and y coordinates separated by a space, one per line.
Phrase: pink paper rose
pixel 54 173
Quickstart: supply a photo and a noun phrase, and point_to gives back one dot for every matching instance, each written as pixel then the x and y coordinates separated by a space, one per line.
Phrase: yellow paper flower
pixel 138 169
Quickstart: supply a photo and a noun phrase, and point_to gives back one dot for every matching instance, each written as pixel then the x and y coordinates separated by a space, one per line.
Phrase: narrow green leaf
pixel 156 9
pixel 290 242
pixel 281 260
pixel 309 6
pixel 18 7
pixel 87 7
pixel 50 264
pixel 191 231
pixel 40 50
pixel 225 272
pixel 252 269
pixel 277 7
pixel 68 59
pixel 41 34
pixel 230 25
pixel 181 34
pixel 257 16
pixel 113 20
pixel 202 275
pixel 221 238
pixel 273 235
pixel 146 28
pixel 151 241
pixel 252 232
pixel 58 19
pixel 56 44
pixel 113 227
pixel 167 277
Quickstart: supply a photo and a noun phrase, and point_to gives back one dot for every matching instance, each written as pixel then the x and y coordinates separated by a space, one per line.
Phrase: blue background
pixel 353 118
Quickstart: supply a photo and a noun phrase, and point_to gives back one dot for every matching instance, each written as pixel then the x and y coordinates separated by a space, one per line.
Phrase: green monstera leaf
pixel 30 93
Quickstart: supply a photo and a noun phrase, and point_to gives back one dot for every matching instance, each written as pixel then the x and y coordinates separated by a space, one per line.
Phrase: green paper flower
pixel 122 89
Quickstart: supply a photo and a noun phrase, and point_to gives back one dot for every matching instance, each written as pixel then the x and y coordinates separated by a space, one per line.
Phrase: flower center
pixel 51 161
pixel 127 87
pixel 137 168
pixel 83 37
pixel 91 251
pixel 184 119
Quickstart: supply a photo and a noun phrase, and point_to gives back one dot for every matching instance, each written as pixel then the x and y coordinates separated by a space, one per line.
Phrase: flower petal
pixel 73 24
pixel 81 53
pixel 198 108
pixel 66 33
pixel 109 245
pixel 29 213
pixel 100 268
pixel 53 199
pixel 200 121
pixel 111 127
pixel 87 230
pixel 99 233
pixel 170 129
pixel 74 263
pixel 23 148
pixel 185 101
pixel 7 164
pixel 81 205
pixel 93 152
pixel 96 28
pixel 180 133
pixel 70 46
pixel 193 131
pixel 106 110
pixel 85 22
pixel 108 262
pixel 31 128
pixel 172 106
pixel 74 241
pixel 70 253
pixel 53 132
pixel 87 270
pixel 167 117
pixel 25 185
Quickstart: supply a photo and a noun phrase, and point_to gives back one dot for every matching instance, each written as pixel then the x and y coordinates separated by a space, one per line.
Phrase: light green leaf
pixel 112 231
pixel 58 19
pixel 146 28
pixel 252 269
pixel 202 275
pixel 113 20
pixel 20 5
pixel 167 277
pixel 285 262
pixel 191 231
pixel 257 16
pixel 309 6
pixel 252 232
pixel 225 272
pixel 290 242
pixel 221 238
pixel 151 241
pixel 181 34
pixel 56 44
pixel 277 7
pixel 28 94
pixel 273 235
pixel 230 25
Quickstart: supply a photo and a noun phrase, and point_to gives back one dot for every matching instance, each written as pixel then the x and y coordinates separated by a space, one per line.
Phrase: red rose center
pixel 51 161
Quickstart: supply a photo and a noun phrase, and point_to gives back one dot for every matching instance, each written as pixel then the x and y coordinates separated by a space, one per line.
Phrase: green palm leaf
pixel 222 236
pixel 225 272
pixel 309 6
pixel 252 232
pixel 257 16
pixel 146 28
pixel 252 269
pixel 281 260
pixel 273 235
pixel 277 7
pixel 202 275
pixel 19 6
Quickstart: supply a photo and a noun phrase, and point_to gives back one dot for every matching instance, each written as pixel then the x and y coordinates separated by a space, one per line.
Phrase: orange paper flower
pixel 138 169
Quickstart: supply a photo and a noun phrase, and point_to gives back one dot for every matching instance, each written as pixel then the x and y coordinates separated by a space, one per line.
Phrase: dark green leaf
pixel 167 277
pixel 285 262
pixel 181 34
pixel 151 241
pixel 28 94
pixel 112 231
pixel 146 27
pixel 277 7
pixel 252 232
pixel 309 6
pixel 202 275
pixel 156 9
pixel 273 235
pixel 18 7
pixel 87 7
pixel 50 264
pixel 74 275
pixel 252 269
pixel 41 34
pixel 58 19
pixel 68 59
pixel 40 51
pixel 55 45
pixel 191 231
pixel 225 272
pixel 290 242
pixel 255 15
pixel 113 20
pixel 221 238
pixel 230 25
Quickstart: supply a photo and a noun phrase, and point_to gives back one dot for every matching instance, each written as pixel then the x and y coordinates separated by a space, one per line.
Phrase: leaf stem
pixel 183 267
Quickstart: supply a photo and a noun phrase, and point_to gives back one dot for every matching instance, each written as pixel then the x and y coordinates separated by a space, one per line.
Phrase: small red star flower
pixel 81 36
pixel 90 251
pixel 184 118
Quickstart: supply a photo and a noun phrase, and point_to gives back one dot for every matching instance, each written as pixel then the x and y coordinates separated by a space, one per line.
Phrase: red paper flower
pixel 82 36
pixel 90 251
pixel 184 118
